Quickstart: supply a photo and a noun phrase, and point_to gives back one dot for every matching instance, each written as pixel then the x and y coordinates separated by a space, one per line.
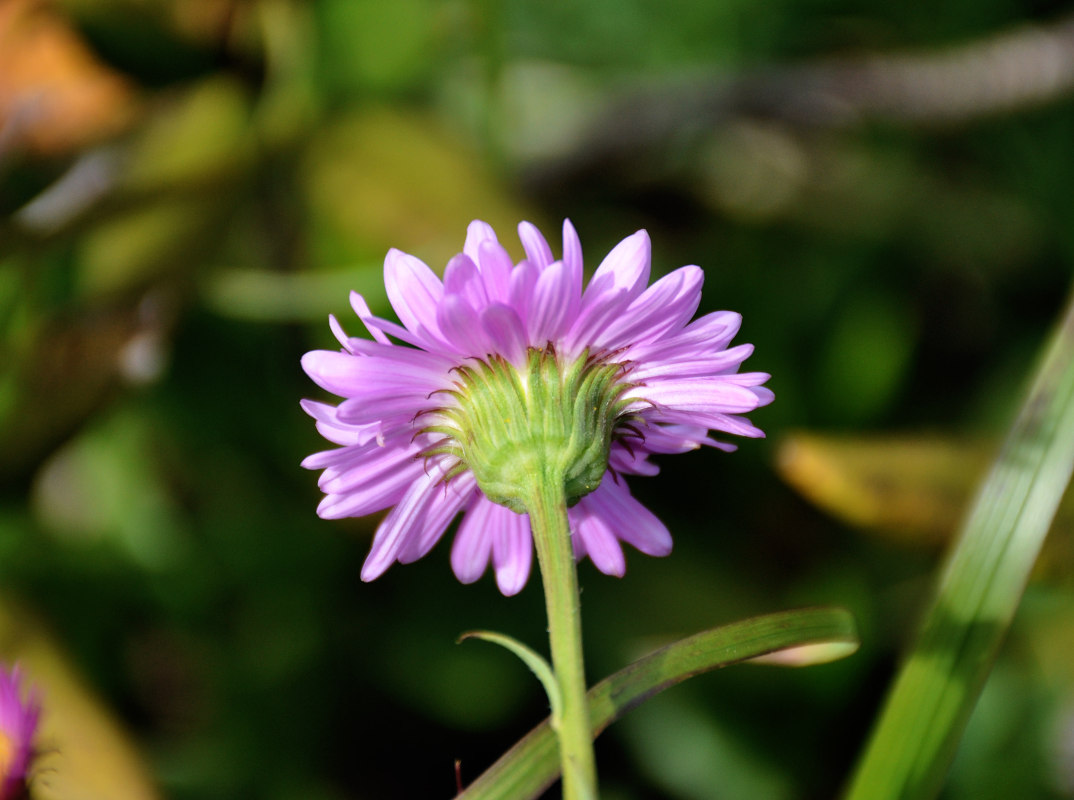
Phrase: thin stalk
pixel 551 536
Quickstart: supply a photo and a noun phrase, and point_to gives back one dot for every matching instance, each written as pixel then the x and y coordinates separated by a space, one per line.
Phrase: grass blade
pixel 979 590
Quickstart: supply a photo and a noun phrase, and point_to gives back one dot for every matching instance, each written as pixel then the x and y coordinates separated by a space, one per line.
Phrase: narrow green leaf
pixel 532 659
pixel 529 767
pixel 979 589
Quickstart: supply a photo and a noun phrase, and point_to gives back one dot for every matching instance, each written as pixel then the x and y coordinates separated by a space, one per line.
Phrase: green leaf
pixel 979 590
pixel 533 660
pixel 529 767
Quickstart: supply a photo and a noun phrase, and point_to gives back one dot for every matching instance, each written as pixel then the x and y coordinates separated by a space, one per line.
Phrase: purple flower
pixel 18 723
pixel 681 380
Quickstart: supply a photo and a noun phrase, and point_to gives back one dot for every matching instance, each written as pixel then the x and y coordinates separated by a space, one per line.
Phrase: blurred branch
pixel 1009 71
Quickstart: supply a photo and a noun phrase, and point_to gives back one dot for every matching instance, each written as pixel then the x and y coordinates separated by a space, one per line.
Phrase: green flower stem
pixel 812 635
pixel 551 536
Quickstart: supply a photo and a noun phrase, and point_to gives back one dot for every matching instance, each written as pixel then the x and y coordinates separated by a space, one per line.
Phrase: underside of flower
pixel 547 421
pixel 504 372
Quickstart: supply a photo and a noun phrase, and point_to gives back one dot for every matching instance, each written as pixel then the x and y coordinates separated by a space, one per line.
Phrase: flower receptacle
pixel 515 428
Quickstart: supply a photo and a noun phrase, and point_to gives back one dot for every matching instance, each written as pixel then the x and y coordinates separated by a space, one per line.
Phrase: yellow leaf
pixel 916 487
pixel 913 489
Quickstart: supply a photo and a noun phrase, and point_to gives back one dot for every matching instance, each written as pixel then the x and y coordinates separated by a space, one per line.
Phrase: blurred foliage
pixel 189 187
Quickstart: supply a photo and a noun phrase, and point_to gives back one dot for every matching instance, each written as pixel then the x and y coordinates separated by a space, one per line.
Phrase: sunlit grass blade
pixel 529 767
pixel 979 589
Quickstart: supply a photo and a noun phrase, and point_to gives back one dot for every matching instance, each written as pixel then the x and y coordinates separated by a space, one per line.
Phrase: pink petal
pixel 632 462
pixel 625 267
pixel 421 512
pixel 496 268
pixel 556 300
pixel 726 423
pixel 630 520
pixel 572 251
pixel 597 537
pixel 447 501
pixel 537 250
pixel 593 319
pixel 361 308
pixel 665 306
pixel 462 278
pixel 365 491
pixel 512 549
pixel 329 426
pixel 505 332
pixel 415 293
pixel 458 320
pixel 708 395
pixel 477 234
pixel 472 547
pixel 523 279
pixel 721 363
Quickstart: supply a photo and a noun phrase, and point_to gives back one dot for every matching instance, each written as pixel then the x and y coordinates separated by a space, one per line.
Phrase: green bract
pixel 510 427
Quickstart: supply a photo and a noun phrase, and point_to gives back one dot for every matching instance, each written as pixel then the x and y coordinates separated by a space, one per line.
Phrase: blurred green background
pixel 189 187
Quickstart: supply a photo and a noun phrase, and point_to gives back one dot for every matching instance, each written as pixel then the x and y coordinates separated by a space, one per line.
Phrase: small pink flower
pixel 18 723
pixel 681 379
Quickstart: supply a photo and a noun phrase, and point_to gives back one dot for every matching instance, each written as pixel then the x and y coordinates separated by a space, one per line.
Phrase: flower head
pixel 18 723
pixel 502 367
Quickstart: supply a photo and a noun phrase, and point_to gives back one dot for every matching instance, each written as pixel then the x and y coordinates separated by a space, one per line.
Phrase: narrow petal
pixel 572 250
pixel 329 426
pixel 457 320
pixel 512 549
pixel 496 267
pixel 472 547
pixel 397 331
pixel 625 267
pixel 674 438
pixel 726 423
pixel 764 395
pixel 555 305
pixel 367 467
pixel 593 319
pixel 340 334
pixel 462 278
pixel 477 234
pixel 710 395
pixel 665 306
pixel 721 363
pixel 416 514
pixel 505 330
pixel 448 499
pixel 709 334
pixel 537 250
pixel 523 280
pixel 633 462
pixel 369 492
pixel 356 376
pixel 630 520
pixel 599 540
pixel 415 293
pixel 361 308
